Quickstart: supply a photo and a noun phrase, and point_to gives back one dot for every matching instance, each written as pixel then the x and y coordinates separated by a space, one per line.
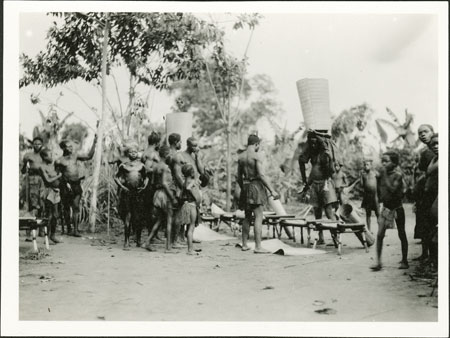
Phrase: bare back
pixel 162 175
pixel 247 163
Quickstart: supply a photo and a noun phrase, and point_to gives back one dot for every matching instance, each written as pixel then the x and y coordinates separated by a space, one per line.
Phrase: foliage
pixel 75 131
pixel 349 130
pixel 155 47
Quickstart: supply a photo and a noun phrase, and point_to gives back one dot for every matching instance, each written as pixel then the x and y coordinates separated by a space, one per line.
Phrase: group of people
pixel 164 187
pixel 53 187
pixel 385 186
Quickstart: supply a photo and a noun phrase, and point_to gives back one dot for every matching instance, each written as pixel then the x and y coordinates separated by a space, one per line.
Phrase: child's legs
pixel 65 205
pixel 190 231
pixel 175 227
pixel 156 224
pixel 169 221
pixel 75 212
pixel 53 217
pixel 400 220
pixel 368 216
pixel 380 237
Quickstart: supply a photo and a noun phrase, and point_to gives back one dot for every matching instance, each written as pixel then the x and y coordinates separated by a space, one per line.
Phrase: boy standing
pixel 164 198
pixel 131 178
pixel 340 182
pixel 52 196
pixel 390 187
pixel 70 186
pixel 368 179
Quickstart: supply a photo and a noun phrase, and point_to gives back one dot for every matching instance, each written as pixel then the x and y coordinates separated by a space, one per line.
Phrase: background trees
pixel 155 48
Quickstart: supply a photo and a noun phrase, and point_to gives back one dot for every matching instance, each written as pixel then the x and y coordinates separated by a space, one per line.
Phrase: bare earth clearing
pixel 92 278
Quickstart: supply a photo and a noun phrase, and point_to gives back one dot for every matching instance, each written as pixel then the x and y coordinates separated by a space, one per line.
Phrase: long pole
pixel 109 198
pixel 98 149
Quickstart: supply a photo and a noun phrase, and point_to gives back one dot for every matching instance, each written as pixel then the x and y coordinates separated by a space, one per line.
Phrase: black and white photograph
pixel 225 169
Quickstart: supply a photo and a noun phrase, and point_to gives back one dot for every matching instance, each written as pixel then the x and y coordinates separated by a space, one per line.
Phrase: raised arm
pixel 89 155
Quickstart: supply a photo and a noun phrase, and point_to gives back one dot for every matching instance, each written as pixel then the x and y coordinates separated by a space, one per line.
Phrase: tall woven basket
pixel 314 97
pixel 180 123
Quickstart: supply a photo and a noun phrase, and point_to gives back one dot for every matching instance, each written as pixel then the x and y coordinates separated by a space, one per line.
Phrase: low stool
pixel 33 223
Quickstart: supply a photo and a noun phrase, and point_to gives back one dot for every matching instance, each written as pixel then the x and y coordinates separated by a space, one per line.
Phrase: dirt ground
pixel 92 278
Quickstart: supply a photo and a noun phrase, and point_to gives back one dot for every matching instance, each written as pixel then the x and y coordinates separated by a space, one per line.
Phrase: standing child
pixel 131 178
pixel 191 199
pixel 390 187
pixel 368 178
pixel 52 196
pixel 340 182
pixel 164 198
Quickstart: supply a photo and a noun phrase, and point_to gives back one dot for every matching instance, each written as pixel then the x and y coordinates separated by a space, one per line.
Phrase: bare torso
pixel 70 169
pixel 132 174
pixel 317 173
pixel 369 181
pixel 34 160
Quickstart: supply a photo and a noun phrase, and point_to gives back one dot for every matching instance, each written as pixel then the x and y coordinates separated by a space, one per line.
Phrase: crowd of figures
pixel 163 188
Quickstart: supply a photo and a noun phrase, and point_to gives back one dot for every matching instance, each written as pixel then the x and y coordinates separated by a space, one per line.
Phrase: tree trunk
pixel 98 148
pixel 228 204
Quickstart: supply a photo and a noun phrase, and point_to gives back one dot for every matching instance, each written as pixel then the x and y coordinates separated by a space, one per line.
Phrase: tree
pixel 405 135
pixel 75 131
pixel 225 75
pixel 258 102
pixel 155 48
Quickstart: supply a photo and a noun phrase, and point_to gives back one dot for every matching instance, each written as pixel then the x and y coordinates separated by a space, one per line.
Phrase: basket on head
pixel 315 102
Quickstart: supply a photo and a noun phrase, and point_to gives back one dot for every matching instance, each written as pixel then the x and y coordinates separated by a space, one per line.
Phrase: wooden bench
pixel 298 223
pixel 269 219
pixel 274 220
pixel 337 228
pixel 33 223
pixel 211 220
